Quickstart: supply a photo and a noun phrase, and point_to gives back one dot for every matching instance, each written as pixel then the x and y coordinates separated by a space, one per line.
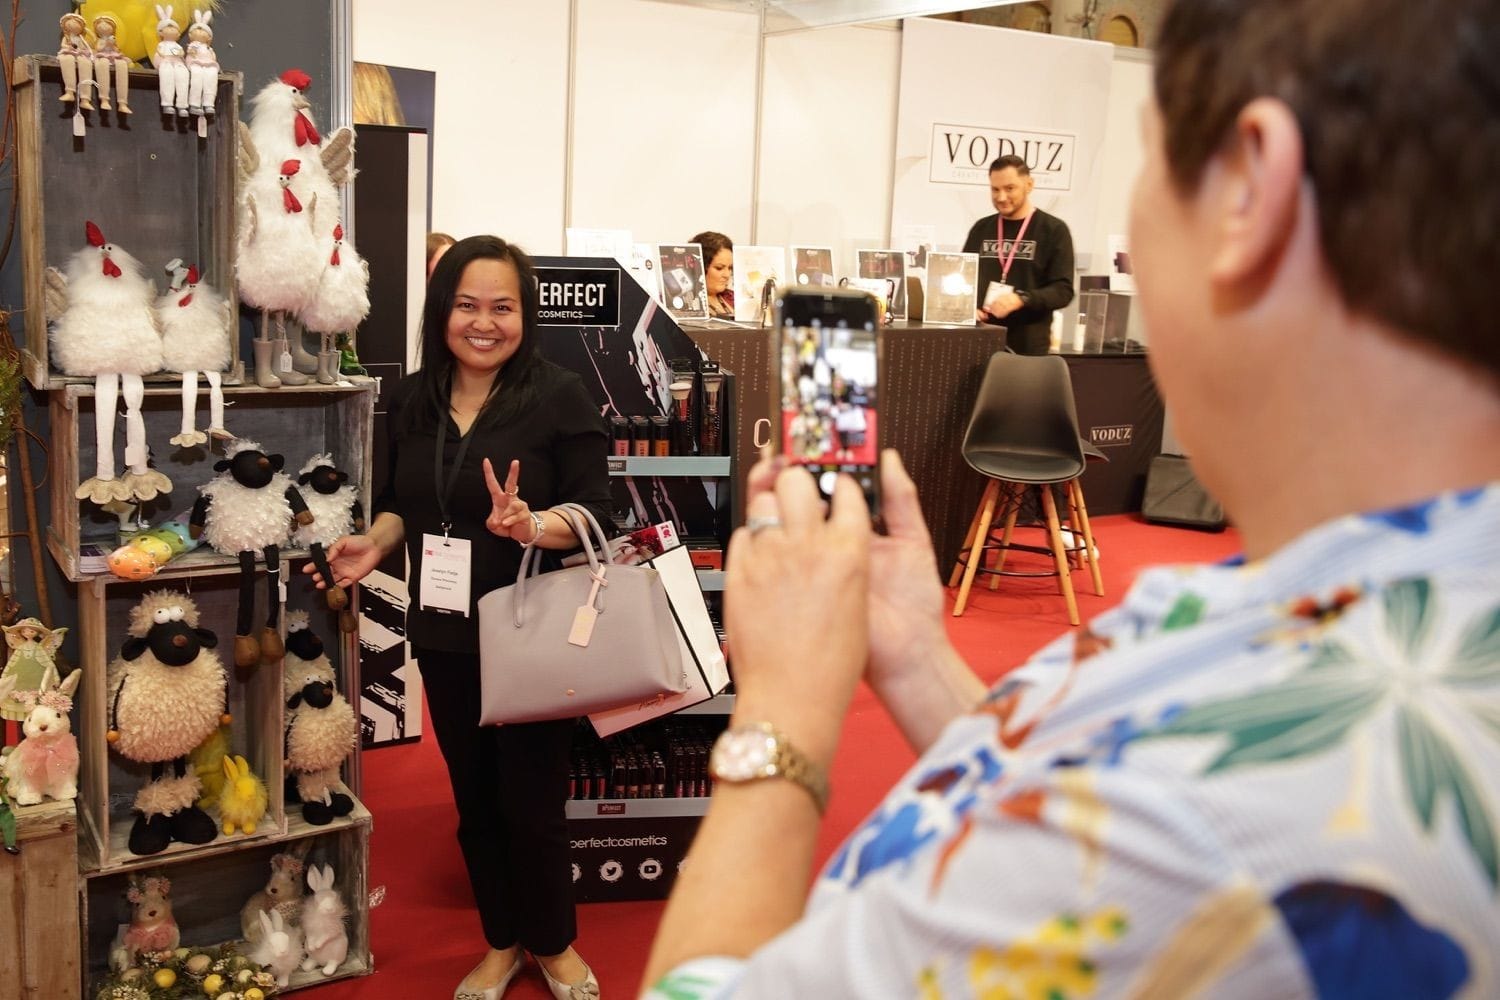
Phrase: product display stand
pixel 162 191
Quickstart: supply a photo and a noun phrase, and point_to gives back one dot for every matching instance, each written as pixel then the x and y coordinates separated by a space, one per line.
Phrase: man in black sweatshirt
pixel 1034 253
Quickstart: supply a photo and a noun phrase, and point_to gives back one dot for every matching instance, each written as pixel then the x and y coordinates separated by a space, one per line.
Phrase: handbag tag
pixel 583 626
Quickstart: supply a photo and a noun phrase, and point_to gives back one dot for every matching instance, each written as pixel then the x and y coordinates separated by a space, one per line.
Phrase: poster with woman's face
pixel 682 287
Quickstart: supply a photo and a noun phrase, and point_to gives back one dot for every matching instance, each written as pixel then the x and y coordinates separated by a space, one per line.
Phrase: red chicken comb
pixel 296 78
pixel 290 167
pixel 95 234
pixel 338 230
pixel 192 277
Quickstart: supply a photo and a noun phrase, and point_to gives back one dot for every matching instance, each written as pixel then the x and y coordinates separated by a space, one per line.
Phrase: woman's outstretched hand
pixel 351 559
pixel 510 517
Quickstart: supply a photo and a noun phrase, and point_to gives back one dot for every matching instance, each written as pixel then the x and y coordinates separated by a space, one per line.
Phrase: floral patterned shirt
pixel 1276 779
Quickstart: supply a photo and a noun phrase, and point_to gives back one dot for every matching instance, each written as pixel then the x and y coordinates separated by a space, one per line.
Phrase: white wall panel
pixel 500 128
pixel 827 139
pixel 664 119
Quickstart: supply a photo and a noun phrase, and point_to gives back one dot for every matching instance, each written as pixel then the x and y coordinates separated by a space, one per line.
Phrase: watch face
pixel 741 756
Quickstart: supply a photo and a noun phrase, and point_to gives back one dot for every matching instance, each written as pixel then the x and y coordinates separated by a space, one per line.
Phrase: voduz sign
pixel 962 154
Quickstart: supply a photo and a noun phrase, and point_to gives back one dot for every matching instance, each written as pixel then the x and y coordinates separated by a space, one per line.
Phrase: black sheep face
pixel 251 469
pixel 315 694
pixel 170 639
pixel 304 644
pixel 325 479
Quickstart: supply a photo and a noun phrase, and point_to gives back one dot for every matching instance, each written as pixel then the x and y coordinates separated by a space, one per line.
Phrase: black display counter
pixel 931 380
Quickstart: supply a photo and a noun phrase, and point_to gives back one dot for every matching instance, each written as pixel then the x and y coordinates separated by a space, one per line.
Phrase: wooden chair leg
pixel 1015 494
pixel 1075 556
pixel 1088 539
pixel 1059 554
pixel 961 558
pixel 976 551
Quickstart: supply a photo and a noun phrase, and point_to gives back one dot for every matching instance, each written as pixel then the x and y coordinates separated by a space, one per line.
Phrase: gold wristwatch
pixel 756 750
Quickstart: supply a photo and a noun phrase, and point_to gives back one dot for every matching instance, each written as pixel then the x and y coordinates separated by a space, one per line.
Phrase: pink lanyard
pixel 1007 261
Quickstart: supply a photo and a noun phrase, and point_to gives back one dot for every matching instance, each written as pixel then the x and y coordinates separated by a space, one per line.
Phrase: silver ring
pixel 759 524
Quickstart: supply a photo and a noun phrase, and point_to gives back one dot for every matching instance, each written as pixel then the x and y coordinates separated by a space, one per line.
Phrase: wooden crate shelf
pixel 39 948
pixel 151 184
pixel 294 422
pixel 208 892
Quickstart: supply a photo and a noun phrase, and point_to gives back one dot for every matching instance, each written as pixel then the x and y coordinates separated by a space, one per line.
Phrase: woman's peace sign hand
pixel 509 515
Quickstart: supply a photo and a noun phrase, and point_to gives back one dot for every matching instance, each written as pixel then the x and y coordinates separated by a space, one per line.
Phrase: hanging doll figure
pixel 31 666
pixel 77 60
pixel 341 303
pixel 170 64
pixel 247 509
pixel 196 328
pixel 203 65
pixel 104 325
pixel 336 512
pixel 109 61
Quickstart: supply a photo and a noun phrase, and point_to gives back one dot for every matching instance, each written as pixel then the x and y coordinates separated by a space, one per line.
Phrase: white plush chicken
pixel 278 257
pixel 340 303
pixel 282 128
pixel 104 325
pixel 196 330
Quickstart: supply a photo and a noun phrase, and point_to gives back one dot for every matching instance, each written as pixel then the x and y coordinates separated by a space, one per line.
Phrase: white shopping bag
pixel 702 657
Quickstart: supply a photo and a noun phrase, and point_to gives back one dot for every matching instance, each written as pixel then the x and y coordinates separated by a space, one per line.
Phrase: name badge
pixel 445 575
pixel 993 293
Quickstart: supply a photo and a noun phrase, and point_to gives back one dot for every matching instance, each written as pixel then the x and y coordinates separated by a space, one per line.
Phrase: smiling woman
pixel 485 406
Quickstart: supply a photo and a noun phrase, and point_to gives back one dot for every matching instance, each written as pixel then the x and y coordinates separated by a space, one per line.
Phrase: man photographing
pixel 1026 260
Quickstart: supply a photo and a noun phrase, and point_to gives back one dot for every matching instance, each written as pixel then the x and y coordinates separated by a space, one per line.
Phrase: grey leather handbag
pixel 578 640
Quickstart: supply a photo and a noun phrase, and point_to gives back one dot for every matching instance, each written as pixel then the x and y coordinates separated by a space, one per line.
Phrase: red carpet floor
pixel 425 936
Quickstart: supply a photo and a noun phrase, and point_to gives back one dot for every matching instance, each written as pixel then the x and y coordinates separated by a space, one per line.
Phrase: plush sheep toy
pixel 166 696
pixel 196 327
pixel 102 310
pixel 336 512
pixel 320 728
pixel 248 508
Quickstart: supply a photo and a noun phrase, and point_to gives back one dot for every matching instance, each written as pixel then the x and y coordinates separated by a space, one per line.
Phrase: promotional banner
pixel 970 94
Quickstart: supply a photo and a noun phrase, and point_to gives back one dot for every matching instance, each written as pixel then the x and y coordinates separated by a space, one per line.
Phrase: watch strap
pixel 786 761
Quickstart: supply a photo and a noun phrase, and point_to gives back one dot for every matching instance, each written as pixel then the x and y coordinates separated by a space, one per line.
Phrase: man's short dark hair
pixel 1399 108
pixel 1011 160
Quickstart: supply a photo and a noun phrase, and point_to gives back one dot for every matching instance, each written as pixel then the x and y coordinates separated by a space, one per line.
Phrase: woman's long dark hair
pixel 518 375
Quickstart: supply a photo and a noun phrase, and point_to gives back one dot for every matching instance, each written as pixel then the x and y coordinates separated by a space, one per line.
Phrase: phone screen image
pixel 829 359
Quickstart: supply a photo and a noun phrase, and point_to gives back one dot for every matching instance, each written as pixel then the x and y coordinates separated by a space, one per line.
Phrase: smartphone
pixel 827 352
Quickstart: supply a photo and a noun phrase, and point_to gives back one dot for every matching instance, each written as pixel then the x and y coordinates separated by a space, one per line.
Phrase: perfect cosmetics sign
pixel 970 94
pixel 578 296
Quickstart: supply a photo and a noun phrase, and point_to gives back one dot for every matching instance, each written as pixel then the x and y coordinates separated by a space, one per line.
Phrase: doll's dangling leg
pixel 179 74
pixel 85 81
pixel 103 487
pixel 69 66
pixel 271 647
pixel 142 481
pixel 101 74
pixel 216 406
pixel 189 435
pixel 246 649
pixel 289 375
pixel 122 86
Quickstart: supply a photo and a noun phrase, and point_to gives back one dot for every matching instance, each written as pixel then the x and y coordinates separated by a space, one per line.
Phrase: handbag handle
pixel 589 533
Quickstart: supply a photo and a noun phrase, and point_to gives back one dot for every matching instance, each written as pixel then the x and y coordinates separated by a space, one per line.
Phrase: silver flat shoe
pixel 495 992
pixel 586 990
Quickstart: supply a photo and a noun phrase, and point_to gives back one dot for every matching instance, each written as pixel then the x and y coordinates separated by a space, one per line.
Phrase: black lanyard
pixel 445 487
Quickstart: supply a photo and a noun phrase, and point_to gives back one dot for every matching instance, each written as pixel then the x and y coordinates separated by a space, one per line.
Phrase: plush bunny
pixel 323 929
pixel 280 947
pixel 152 927
pixel 242 801
pixel 282 895
pixel 45 764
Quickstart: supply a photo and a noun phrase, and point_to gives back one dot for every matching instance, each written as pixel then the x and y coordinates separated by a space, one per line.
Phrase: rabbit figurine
pixel 280 948
pixel 323 923
pixel 242 802
pixel 45 764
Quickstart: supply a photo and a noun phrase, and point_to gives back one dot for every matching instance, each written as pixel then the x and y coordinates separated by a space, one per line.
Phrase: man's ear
pixel 1258 187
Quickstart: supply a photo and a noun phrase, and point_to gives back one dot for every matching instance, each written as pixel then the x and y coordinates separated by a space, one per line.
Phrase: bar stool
pixel 1023 436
